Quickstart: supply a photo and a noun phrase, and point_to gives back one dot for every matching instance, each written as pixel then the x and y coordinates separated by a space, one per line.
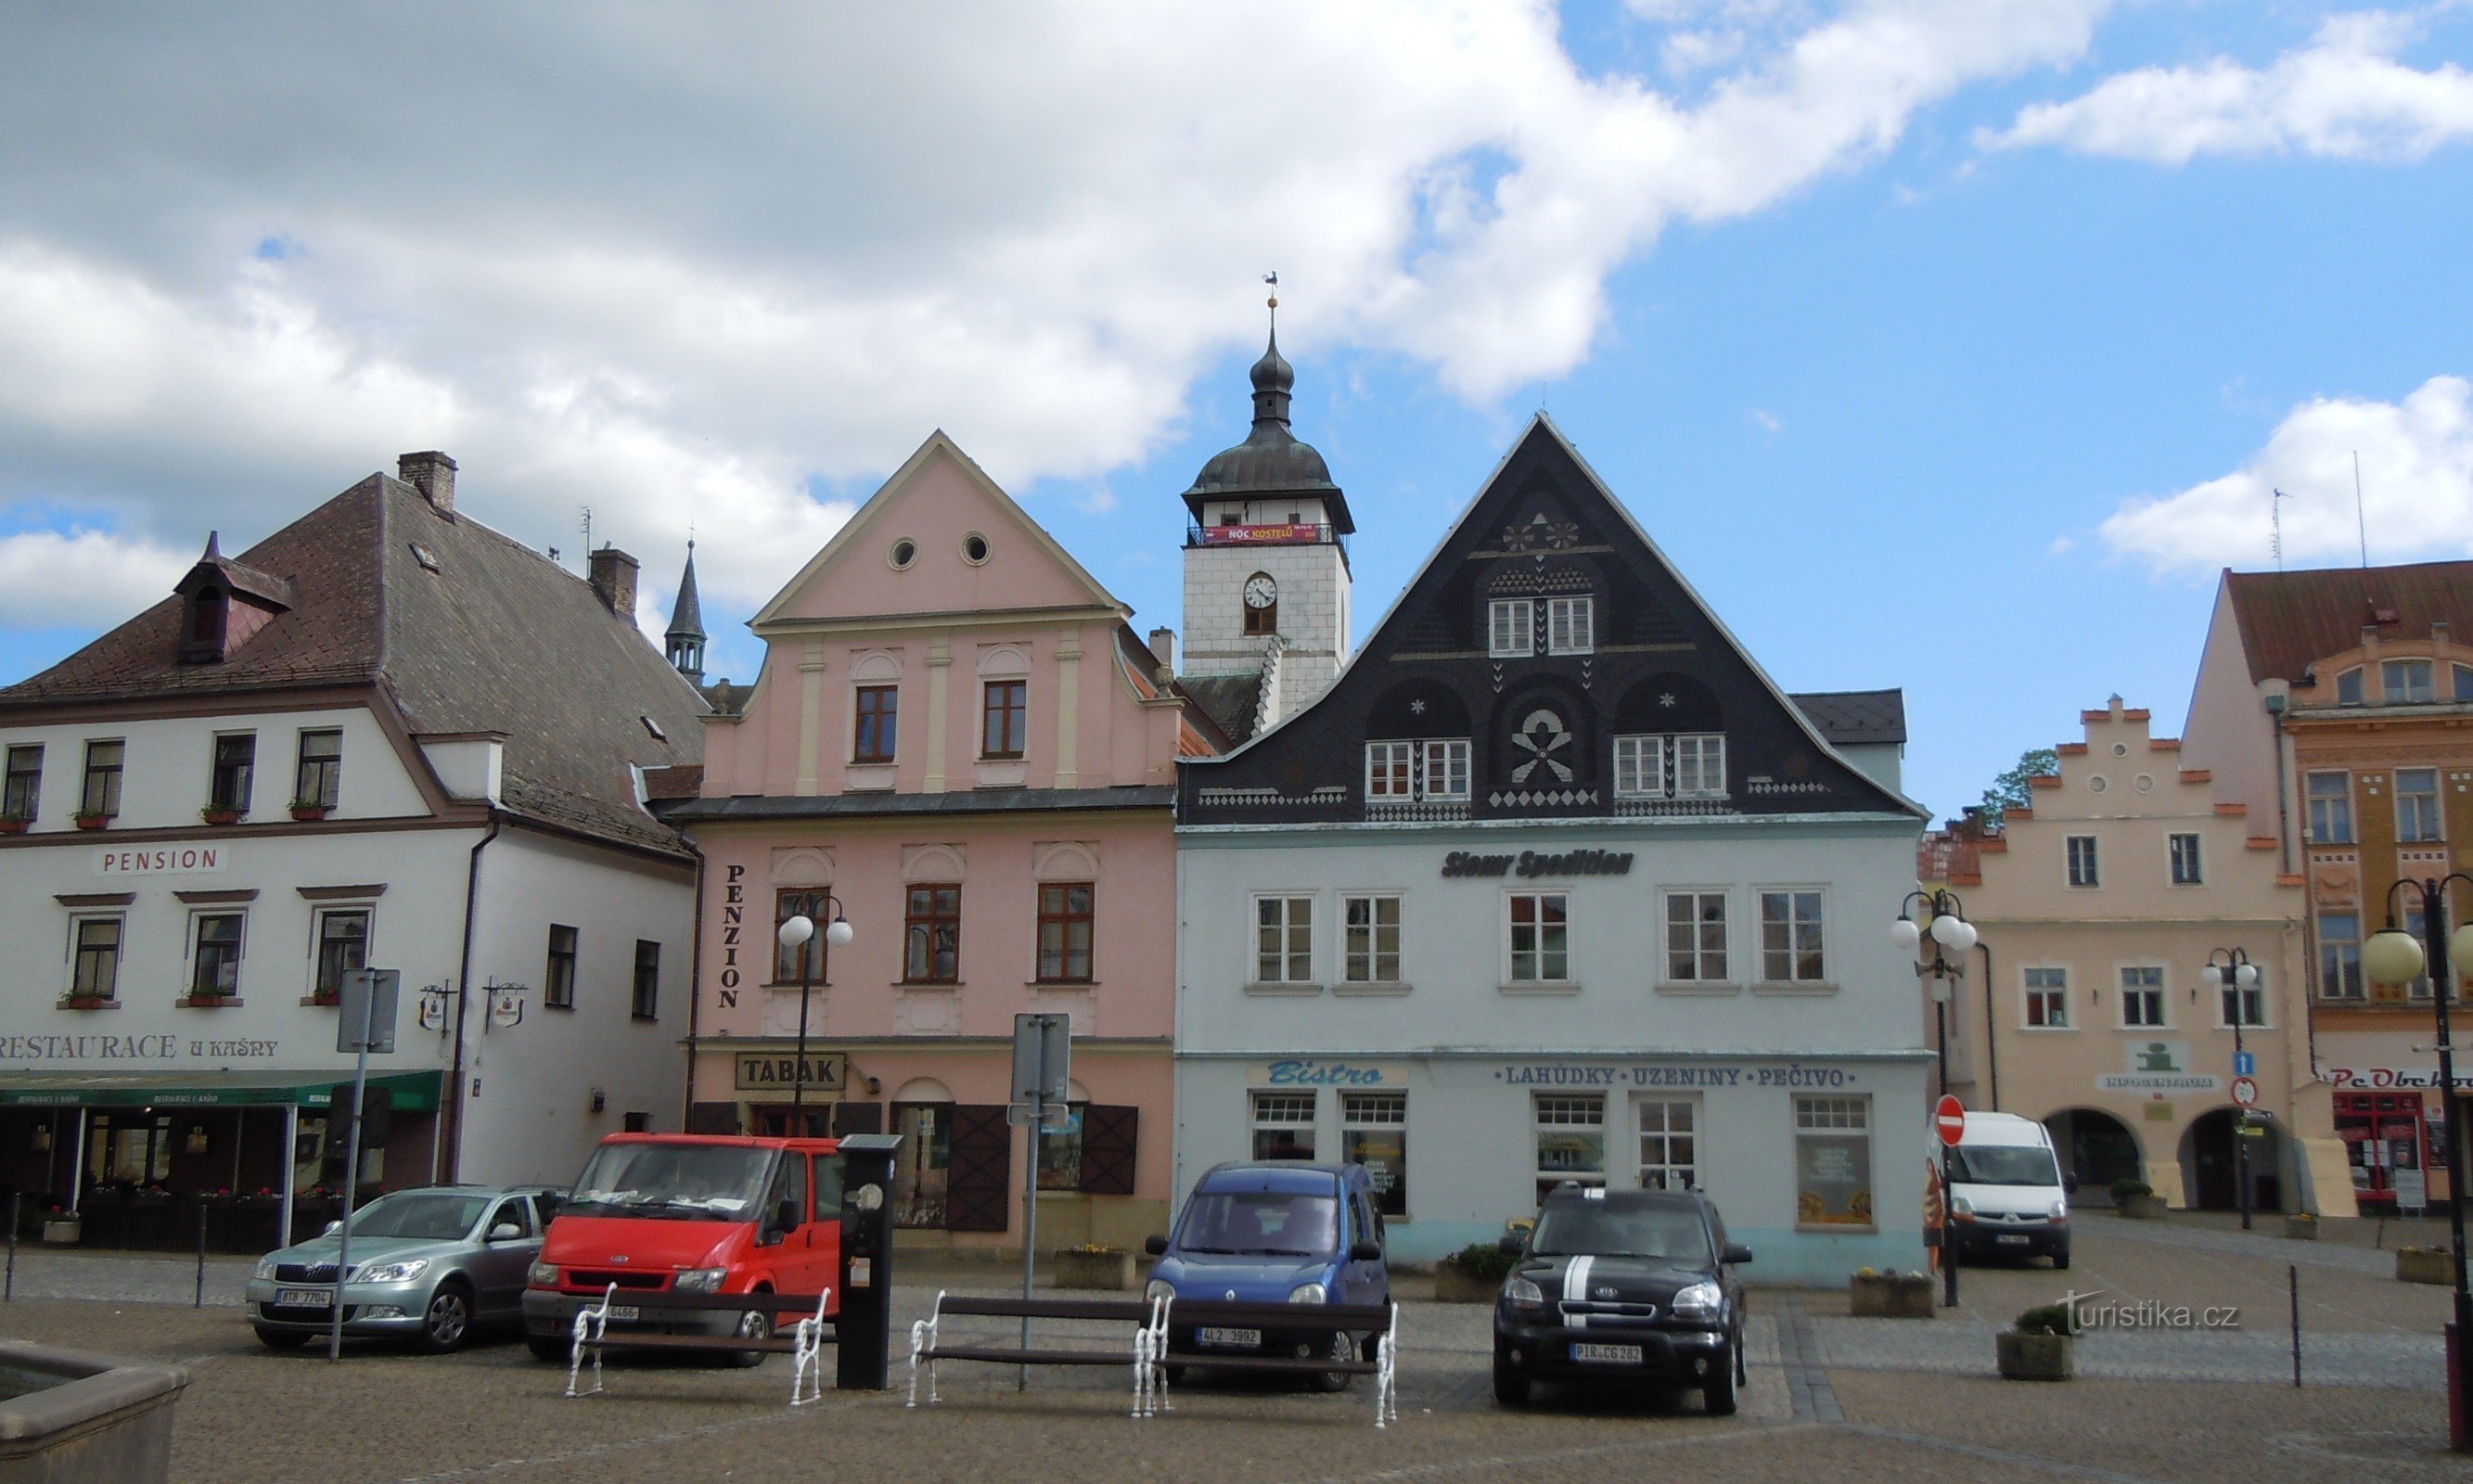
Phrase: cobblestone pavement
pixel 1830 1396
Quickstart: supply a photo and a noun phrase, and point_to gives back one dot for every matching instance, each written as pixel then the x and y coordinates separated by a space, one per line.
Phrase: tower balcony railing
pixel 1284 533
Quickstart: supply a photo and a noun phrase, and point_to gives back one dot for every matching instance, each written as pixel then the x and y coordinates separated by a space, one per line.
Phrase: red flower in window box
pixel 309 811
pixel 11 825
pixel 83 1001
pixel 215 815
pixel 91 819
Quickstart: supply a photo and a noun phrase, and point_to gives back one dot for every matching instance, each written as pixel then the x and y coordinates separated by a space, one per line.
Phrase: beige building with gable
pixel 2088 1005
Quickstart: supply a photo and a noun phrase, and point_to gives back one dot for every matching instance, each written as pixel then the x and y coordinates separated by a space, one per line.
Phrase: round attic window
pixel 904 552
pixel 2097 784
pixel 974 548
pixel 2120 750
pixel 2144 782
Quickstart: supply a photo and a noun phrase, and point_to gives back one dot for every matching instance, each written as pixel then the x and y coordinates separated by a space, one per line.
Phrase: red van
pixel 692 1213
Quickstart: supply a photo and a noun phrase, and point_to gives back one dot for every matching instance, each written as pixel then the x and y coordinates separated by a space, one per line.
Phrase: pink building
pixel 958 745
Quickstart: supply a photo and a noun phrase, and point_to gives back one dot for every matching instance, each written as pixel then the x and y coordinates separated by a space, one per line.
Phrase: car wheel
pixel 1719 1394
pixel 753 1325
pixel 1175 1375
pixel 448 1322
pixel 279 1339
pixel 1340 1347
pixel 2061 1261
pixel 1510 1387
pixel 551 1347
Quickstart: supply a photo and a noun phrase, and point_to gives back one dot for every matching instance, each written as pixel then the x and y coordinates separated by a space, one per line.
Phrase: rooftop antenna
pixel 2275 528
pixel 2359 518
pixel 588 530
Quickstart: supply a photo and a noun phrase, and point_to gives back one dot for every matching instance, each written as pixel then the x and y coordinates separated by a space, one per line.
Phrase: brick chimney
pixel 613 577
pixel 1164 648
pixel 433 474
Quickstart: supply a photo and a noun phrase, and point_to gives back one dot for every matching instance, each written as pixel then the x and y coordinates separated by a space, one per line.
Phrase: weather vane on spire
pixel 1273 279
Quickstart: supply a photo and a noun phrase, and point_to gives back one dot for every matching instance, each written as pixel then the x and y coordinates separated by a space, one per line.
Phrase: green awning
pixel 414 1091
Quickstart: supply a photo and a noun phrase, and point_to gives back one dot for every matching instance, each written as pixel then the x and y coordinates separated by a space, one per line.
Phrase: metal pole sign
pixel 366 1024
pixel 1949 1122
pixel 1043 1052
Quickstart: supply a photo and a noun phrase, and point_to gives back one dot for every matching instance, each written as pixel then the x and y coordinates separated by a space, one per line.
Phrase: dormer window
pixel 204 624
pixel 211 627
pixel 2349 687
pixel 2407 682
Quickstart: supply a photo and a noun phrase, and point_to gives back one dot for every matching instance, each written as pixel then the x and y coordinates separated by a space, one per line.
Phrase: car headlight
pixel 1308 1293
pixel 403 1272
pixel 543 1275
pixel 2060 1210
pixel 1157 1289
pixel 1522 1292
pixel 1961 1208
pixel 266 1270
pixel 1700 1300
pixel 701 1280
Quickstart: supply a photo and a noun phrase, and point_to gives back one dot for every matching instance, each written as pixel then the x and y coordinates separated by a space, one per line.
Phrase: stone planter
pixel 2033 1357
pixel 71 1417
pixel 2301 1229
pixel 2432 1265
pixel 1891 1296
pixel 1456 1284
pixel 1111 1270
pixel 2141 1208
pixel 61 1230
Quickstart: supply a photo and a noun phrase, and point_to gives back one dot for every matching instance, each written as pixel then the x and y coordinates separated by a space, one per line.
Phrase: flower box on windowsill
pixel 322 1000
pixel 87 1002
pixel 10 825
pixel 88 821
pixel 207 1002
pixel 214 816
pixel 309 811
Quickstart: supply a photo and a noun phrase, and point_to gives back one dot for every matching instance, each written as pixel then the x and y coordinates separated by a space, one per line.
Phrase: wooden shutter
pixel 713 1118
pixel 1108 1149
pixel 978 1188
pixel 857 1118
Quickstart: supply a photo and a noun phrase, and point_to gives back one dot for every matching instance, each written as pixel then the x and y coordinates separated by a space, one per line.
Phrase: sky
pixel 1948 345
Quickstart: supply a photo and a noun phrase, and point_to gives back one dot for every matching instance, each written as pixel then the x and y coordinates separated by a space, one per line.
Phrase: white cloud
pixel 82 578
pixel 2417 463
pixel 2344 96
pixel 1766 421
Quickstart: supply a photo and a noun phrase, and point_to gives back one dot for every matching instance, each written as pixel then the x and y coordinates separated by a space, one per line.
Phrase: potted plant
pixel 90 819
pixel 1472 1275
pixel 2303 1226
pixel 1890 1295
pixel 73 1000
pixel 2037 1347
pixel 219 814
pixel 1094 1266
pixel 13 823
pixel 2137 1200
pixel 2433 1266
pixel 308 809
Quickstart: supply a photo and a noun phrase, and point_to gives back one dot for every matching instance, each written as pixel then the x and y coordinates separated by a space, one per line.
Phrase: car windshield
pixel 686 1182
pixel 1602 1229
pixel 1261 1223
pixel 427 1215
pixel 1999 1164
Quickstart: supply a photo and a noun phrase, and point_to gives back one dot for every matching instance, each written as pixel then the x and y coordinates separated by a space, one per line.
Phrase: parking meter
pixel 864 1335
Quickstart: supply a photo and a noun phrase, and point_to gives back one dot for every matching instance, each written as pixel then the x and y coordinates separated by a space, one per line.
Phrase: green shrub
pixel 1482 1261
pixel 2046 1319
pixel 2123 1190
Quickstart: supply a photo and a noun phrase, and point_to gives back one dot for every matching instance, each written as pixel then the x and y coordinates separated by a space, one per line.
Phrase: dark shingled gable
pixel 498 640
pixel 1856 718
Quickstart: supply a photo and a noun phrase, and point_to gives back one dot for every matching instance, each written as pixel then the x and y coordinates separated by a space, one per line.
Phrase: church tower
pixel 684 644
pixel 1267 579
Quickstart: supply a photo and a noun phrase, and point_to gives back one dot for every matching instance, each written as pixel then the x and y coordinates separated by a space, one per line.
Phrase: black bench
pixel 808 1332
pixel 1378 1323
pixel 1139 1350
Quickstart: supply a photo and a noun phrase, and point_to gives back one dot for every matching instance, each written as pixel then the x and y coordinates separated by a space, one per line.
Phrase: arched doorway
pixel 2098 1149
pixel 2210 1166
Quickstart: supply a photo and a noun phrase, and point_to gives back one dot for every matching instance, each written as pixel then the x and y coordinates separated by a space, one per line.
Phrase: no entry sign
pixel 2245 1091
pixel 1949 1119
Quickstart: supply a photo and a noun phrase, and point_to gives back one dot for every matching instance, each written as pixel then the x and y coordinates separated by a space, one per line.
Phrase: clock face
pixel 1260 591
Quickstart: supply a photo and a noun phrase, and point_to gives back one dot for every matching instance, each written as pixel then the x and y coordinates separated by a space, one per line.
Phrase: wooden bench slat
pixel 649 1340
pixel 1044 1309
pixel 1034 1357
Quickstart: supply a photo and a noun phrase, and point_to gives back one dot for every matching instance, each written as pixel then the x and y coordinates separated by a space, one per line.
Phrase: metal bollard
pixel 200 1302
pixel 9 1287
pixel 2293 1281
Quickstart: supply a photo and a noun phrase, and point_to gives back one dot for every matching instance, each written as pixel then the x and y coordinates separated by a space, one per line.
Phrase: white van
pixel 2007 1195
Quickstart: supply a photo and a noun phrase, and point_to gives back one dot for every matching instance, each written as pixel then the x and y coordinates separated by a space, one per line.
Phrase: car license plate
pixel 625 1313
pixel 302 1297
pixel 2013 1241
pixel 1250 1339
pixel 1607 1354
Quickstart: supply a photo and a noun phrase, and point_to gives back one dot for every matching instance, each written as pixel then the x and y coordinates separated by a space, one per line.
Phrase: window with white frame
pixel 2184 852
pixel 1640 767
pixel 94 958
pixel 1833 1162
pixel 1511 628
pixel 2407 682
pixel 1791 947
pixel 1570 625
pixel 1446 775
pixel 2047 999
pixel 1284 1124
pixel 2416 798
pixel 2082 863
pixel 1695 937
pixel 2339 955
pixel 1571 1140
pixel 1436 771
pixel 2349 687
pixel 1374 1132
pixel 1371 952
pixel 1541 937
pixel 1670 1142
pixel 342 945
pixel 1390 771
pixel 2331 808
pixel 214 954
pixel 2141 997
pixel 1284 939
pixel 2245 1007
pixel 1700 765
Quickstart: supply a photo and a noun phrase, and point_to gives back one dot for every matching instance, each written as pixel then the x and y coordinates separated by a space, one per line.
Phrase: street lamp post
pixel 2392 956
pixel 2236 971
pixel 1950 930
pixel 795 933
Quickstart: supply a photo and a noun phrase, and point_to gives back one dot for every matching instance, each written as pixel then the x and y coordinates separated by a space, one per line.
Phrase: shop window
pixel 1372 948
pixel 129 1149
pixel 94 970
pixel 1065 921
pixel 2331 808
pixel 1541 937
pixel 1283 940
pixel 788 963
pixel 235 771
pixel 924 1164
pixel 2406 682
pixel 1374 1132
pixel 878 713
pixel 100 798
pixel 558 985
pixel 1793 938
pixel 2416 800
pixel 214 966
pixel 2082 860
pixel 2141 998
pixel 2183 850
pixel 1833 1162
pixel 1284 1125
pixel 342 945
pixel 646 1002
pixel 931 934
pixel 23 791
pixel 1571 1140
pixel 1669 1144
pixel 318 783
pixel 2339 955
pixel 1004 719
pixel 1695 937
pixel 2047 999
pixel 1511 628
pixel 1570 625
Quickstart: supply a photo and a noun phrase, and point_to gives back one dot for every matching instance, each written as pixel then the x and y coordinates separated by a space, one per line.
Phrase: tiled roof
pixel 967 800
pixel 496 638
pixel 2292 620
pixel 1231 700
pixel 1856 718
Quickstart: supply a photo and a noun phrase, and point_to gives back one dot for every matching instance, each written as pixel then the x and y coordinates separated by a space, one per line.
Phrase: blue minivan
pixel 1274 1232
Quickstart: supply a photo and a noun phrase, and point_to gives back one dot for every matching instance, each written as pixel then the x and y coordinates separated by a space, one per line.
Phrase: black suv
pixel 1622 1285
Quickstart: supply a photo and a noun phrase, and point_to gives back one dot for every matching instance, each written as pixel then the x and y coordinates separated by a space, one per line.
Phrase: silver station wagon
pixel 429 1265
